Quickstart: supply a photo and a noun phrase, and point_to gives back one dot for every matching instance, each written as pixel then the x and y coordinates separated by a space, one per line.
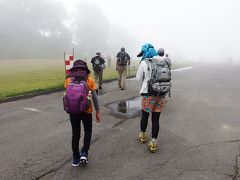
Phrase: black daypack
pixel 123 59
pixel 160 81
pixel 97 65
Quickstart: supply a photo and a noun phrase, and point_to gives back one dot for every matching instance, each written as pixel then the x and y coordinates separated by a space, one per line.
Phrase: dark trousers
pixel 76 119
pixel 155 123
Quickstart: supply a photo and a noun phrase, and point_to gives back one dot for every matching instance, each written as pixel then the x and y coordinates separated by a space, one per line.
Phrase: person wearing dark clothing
pixel 75 120
pixel 123 59
pixel 109 61
pixel 86 117
pixel 98 64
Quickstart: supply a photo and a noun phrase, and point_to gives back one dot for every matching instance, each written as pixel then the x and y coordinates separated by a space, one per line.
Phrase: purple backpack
pixel 75 99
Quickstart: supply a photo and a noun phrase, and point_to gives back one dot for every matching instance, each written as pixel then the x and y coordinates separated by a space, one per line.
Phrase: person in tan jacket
pixel 123 60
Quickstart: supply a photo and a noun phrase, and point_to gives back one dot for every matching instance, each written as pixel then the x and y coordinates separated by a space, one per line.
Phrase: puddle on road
pixel 126 108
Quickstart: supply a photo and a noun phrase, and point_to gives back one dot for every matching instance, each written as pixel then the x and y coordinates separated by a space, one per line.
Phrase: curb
pixel 30 95
pixel 44 92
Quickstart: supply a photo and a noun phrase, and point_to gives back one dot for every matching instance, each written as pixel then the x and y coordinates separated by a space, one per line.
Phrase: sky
pixel 195 29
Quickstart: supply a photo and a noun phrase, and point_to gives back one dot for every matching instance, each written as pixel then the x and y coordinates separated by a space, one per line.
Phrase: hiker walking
pixel 109 61
pixel 153 91
pixel 123 59
pixel 80 92
pixel 98 64
pixel 168 60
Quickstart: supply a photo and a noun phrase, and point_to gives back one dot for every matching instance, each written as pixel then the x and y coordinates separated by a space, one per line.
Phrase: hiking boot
pixel 84 158
pixel 75 162
pixel 142 137
pixel 122 88
pixel 152 145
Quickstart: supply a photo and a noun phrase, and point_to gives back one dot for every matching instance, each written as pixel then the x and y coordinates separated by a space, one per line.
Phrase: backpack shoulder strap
pixel 149 63
pixel 167 64
pixel 85 84
pixel 125 54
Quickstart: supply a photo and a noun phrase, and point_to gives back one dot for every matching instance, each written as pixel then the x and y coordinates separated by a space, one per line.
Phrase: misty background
pixel 193 30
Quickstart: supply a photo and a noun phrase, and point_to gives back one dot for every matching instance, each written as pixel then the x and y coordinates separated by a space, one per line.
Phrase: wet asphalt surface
pixel 199 133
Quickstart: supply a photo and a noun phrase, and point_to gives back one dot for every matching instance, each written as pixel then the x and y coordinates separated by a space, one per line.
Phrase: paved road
pixel 199 135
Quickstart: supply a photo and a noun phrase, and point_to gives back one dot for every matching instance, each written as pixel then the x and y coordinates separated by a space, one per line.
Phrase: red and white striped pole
pixel 68 63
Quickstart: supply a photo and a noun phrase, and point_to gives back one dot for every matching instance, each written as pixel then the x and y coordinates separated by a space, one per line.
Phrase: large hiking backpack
pixel 160 81
pixel 123 59
pixel 75 99
pixel 97 67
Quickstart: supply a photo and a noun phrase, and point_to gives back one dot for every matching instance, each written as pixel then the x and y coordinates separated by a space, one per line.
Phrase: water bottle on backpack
pixel 89 99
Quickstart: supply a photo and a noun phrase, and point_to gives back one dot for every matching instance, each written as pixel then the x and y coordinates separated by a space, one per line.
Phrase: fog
pixel 188 30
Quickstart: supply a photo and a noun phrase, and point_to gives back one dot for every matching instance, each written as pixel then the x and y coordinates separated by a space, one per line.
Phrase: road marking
pixel 31 109
pixel 179 69
pixel 225 127
pixel 182 69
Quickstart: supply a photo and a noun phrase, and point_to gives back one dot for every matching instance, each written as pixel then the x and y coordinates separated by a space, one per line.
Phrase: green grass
pixel 19 77
pixel 24 76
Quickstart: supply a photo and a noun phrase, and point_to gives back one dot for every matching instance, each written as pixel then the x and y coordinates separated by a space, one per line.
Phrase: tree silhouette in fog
pixel 93 32
pixel 44 29
pixel 123 39
pixel 33 29
pixel 91 28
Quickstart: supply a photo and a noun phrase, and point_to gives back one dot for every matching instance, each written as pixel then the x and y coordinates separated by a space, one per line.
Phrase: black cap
pixel 123 49
pixel 140 54
pixel 160 52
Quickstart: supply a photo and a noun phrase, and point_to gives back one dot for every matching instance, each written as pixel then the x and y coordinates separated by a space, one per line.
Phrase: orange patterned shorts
pixel 153 103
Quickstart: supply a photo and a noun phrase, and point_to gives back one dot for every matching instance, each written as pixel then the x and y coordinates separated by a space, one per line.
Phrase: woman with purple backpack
pixel 80 83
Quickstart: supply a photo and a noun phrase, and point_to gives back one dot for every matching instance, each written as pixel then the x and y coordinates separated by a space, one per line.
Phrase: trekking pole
pixel 64 58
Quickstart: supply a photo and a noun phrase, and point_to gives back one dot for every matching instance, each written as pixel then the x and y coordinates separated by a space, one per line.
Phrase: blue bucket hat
pixel 147 51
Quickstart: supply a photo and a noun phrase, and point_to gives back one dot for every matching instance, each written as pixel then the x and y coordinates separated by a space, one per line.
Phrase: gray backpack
pixel 160 81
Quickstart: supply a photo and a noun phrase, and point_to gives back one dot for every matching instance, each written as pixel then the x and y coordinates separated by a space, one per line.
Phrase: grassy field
pixel 23 76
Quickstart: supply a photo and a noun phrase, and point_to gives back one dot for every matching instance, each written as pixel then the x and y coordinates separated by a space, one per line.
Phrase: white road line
pixel 176 70
pixel 179 69
pixel 31 109
pixel 182 69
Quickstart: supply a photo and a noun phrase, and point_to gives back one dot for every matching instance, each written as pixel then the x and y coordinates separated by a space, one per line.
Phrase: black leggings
pixel 76 119
pixel 155 122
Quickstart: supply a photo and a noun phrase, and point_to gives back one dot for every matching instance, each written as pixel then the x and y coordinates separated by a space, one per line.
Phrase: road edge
pixel 43 92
